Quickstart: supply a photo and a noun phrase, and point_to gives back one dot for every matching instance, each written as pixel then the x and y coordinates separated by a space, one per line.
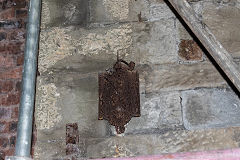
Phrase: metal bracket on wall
pixel 119 98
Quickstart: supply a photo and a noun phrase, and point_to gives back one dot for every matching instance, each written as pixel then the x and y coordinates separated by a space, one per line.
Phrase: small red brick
pixel 3 36
pixel 6 127
pixel 12 73
pixel 20 60
pixel 5 113
pixel 12 141
pixel 13 127
pixel 20 3
pixel 12 47
pixel 18 86
pixel 9 152
pixel 21 13
pixel 2 127
pixel 6 86
pixel 7 14
pixel 3 142
pixel 3 99
pixel 6 61
pixel 14 113
pixel 72 133
pixel 13 99
pixel 16 35
pixel 2 155
pixel 10 99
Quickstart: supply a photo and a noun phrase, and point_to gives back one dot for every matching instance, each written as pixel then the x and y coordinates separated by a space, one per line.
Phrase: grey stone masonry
pixel 186 104
pixel 210 108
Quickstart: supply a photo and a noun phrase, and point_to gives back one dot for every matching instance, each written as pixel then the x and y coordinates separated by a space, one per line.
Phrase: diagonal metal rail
pixel 209 41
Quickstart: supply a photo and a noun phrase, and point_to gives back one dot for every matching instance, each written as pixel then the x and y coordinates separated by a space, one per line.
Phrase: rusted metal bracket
pixel 209 41
pixel 119 98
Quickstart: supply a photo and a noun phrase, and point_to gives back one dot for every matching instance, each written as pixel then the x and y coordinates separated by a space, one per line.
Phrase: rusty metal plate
pixel 119 98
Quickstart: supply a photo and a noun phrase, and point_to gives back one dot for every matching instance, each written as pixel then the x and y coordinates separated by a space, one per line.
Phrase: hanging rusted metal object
pixel 119 98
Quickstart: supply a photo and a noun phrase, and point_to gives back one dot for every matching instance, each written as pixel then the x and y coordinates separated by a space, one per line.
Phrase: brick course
pixel 13 17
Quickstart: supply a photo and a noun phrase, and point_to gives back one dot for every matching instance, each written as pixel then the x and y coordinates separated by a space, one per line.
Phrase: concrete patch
pixel 210 108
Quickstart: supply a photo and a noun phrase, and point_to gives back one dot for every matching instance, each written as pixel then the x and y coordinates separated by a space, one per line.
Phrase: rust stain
pixel 72 138
pixel 119 98
pixel 189 50
pixel 140 17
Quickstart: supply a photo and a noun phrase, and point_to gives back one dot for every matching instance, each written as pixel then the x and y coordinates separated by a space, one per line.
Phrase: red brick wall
pixel 13 14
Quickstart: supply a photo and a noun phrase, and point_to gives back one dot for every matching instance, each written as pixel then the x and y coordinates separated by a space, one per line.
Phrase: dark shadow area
pixel 203 49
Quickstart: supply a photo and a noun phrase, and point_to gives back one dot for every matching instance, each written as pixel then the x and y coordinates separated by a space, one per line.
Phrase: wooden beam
pixel 209 41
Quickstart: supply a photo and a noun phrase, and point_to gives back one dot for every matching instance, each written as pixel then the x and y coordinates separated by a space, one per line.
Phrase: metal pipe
pixel 24 130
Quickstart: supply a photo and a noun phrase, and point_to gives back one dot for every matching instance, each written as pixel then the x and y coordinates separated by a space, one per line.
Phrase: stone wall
pixel 13 14
pixel 186 104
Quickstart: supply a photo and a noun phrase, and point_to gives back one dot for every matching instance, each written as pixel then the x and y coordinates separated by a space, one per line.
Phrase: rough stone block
pixel 170 142
pixel 159 10
pixel 62 12
pixel 155 42
pixel 210 108
pixel 50 150
pixel 182 77
pixel 159 113
pixel 223 20
pixel 109 11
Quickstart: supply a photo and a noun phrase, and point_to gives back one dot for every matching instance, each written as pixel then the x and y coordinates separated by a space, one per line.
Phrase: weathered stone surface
pixel 170 142
pixel 64 12
pixel 182 77
pixel 47 112
pixel 58 43
pixel 158 11
pixel 210 108
pixel 182 32
pixel 49 150
pixel 155 42
pixel 223 20
pixel 109 11
pixel 71 57
pixel 159 113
